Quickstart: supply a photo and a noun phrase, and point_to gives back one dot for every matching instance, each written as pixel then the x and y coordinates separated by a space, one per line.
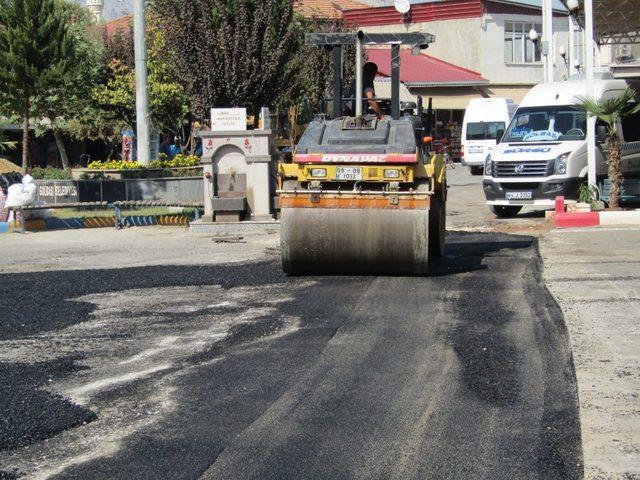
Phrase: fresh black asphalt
pixel 466 373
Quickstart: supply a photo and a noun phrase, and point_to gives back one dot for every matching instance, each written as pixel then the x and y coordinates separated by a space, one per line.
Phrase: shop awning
pixel 420 71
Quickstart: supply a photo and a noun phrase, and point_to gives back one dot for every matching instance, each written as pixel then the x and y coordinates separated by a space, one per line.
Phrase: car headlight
pixel 318 172
pixel 391 173
pixel 560 165
pixel 487 165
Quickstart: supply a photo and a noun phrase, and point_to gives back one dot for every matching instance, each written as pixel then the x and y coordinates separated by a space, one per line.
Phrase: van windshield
pixel 484 130
pixel 547 124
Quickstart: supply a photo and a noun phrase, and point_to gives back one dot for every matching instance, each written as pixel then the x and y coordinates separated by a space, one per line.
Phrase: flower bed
pixel 180 166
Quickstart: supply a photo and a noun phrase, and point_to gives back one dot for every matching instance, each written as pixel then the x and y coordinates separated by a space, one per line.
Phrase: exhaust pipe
pixel 359 93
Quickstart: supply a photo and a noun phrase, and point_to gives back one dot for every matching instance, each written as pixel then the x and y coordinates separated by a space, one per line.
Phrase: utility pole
pixel 589 47
pixel 547 40
pixel 142 92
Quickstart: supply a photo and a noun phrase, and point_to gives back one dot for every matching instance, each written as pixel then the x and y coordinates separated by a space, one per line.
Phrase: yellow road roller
pixel 363 194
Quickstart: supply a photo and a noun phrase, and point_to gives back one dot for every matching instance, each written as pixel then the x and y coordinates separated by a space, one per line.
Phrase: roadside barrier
pixel 21 224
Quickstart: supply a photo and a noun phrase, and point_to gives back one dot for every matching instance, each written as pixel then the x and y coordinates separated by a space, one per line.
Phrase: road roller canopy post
pixel 417 40
pixel 337 81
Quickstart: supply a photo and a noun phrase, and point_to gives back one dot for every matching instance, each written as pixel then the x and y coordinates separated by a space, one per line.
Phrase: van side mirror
pixel 499 135
pixel 601 134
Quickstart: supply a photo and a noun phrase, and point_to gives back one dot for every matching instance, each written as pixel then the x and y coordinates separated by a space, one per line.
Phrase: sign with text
pixel 228 119
pixel 58 191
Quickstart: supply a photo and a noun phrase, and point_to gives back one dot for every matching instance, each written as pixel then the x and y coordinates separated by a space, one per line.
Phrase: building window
pixel 517 46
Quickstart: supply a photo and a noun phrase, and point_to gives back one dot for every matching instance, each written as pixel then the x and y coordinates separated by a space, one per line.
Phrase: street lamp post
pixel 547 40
pixel 142 93
pixel 589 48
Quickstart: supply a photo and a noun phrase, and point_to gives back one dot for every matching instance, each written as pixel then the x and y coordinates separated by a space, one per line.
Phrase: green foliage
pixel 310 68
pixel 6 144
pixel 588 194
pixel 35 47
pixel 70 100
pixel 609 110
pixel 50 173
pixel 229 52
pixel 116 97
pixel 36 53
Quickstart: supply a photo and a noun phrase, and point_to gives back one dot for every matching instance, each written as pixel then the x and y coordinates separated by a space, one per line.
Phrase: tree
pixel 35 53
pixel 310 69
pixel 117 96
pixel 229 52
pixel 114 97
pixel 71 97
pixel 610 111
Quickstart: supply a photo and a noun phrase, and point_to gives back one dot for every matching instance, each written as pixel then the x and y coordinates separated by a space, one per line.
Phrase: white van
pixel 543 153
pixel 483 119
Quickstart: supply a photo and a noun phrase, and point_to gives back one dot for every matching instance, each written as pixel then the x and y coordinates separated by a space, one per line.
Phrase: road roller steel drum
pixel 355 234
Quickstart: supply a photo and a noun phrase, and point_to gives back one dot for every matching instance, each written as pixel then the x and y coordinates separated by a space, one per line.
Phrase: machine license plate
pixel 519 195
pixel 474 149
pixel 348 173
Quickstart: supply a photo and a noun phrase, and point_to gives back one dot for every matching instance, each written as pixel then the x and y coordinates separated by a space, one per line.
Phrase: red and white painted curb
pixel 563 219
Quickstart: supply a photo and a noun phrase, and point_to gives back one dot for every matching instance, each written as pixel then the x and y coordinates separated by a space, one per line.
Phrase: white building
pixel 95 7
pixel 488 37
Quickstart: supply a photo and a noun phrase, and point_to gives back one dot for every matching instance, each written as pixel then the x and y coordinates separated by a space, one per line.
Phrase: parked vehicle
pixel 484 118
pixel 543 153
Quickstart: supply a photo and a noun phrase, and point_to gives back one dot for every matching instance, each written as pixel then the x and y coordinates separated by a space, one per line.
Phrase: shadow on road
pixel 466 251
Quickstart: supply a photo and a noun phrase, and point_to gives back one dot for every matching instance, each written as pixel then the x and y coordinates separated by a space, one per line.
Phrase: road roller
pixel 364 193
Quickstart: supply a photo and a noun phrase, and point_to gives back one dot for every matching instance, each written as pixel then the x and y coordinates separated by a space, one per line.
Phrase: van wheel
pixel 502 211
pixel 476 170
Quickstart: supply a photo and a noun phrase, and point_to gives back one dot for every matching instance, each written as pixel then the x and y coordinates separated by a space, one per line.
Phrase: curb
pixel 562 219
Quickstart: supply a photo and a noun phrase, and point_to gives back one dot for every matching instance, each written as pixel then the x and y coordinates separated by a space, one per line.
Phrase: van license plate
pixel 519 195
pixel 348 173
pixel 474 150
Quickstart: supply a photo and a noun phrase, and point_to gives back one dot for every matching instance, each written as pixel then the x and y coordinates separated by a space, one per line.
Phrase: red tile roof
pixel 331 9
pixel 122 25
pixel 424 70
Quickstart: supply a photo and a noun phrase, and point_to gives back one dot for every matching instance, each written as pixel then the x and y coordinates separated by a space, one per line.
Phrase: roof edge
pixel 515 3
pixel 475 83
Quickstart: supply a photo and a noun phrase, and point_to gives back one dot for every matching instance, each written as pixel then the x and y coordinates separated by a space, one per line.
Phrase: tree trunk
pixel 57 134
pixel 614 162
pixel 25 133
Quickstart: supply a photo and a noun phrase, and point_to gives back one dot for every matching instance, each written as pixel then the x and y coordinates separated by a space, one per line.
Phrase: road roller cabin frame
pixel 363 194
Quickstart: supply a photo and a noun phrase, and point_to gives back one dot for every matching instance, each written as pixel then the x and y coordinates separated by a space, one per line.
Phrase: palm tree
pixel 611 111
pixel 6 145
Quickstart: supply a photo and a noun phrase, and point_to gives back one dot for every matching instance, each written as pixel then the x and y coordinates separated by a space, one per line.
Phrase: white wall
pixel 478 44
pixel 520 73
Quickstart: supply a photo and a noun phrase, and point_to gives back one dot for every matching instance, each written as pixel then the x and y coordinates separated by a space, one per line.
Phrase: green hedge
pixel 50 173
